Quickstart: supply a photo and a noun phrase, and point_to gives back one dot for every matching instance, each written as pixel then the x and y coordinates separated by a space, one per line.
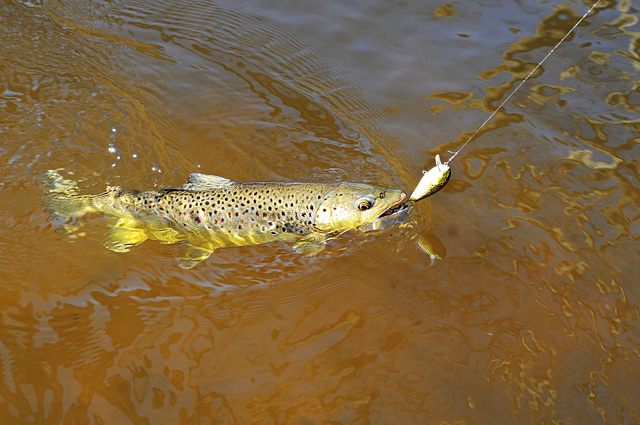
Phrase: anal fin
pixel 124 234
pixel 193 254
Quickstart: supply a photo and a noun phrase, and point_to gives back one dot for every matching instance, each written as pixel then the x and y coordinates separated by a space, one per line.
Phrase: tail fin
pixel 61 198
pixel 67 206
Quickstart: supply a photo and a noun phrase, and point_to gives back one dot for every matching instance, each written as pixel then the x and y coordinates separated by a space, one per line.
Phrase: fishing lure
pixel 432 181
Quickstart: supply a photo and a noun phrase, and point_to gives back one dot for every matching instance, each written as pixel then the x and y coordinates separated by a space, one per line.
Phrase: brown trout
pixel 210 212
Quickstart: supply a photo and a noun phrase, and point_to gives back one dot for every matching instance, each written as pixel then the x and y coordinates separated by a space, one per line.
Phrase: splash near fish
pixel 210 212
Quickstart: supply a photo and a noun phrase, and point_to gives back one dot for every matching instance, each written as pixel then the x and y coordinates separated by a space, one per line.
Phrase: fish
pixel 210 212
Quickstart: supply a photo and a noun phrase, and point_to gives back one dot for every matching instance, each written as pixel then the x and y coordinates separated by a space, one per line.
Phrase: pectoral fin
pixel 311 244
pixel 432 246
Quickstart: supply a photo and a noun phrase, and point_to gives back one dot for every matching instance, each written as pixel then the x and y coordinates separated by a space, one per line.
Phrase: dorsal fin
pixel 198 181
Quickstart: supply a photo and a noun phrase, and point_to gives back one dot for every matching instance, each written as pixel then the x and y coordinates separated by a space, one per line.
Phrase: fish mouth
pixel 395 209
pixel 396 213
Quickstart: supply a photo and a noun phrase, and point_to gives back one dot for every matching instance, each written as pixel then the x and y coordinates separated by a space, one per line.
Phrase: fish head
pixel 351 205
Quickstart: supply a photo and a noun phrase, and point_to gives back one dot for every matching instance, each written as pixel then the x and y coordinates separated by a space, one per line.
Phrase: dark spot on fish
pixel 240 226
pixel 311 207
pixel 196 219
pixel 206 202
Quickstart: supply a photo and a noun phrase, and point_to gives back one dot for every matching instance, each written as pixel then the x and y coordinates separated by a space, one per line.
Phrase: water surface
pixel 530 315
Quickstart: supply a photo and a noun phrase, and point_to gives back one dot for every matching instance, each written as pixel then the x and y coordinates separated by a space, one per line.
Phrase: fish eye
pixel 382 195
pixel 364 204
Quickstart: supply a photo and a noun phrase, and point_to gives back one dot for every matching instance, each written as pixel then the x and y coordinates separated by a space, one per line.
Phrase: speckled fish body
pixel 241 214
pixel 212 212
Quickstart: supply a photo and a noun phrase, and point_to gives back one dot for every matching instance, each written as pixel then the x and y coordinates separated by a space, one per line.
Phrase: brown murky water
pixel 529 316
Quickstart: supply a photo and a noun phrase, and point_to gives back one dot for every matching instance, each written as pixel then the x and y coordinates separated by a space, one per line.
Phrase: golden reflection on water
pixel 524 311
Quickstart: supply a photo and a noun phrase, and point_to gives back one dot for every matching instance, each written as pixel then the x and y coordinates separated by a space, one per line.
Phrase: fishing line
pixel 493 114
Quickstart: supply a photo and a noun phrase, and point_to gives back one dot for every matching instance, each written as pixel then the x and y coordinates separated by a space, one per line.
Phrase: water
pixel 529 316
